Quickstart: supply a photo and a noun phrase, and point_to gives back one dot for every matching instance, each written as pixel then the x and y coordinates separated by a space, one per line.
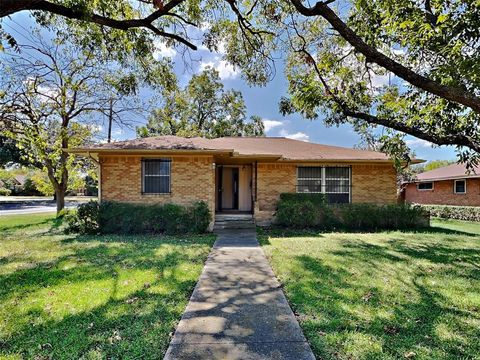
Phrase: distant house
pixel 15 183
pixel 238 174
pixel 449 185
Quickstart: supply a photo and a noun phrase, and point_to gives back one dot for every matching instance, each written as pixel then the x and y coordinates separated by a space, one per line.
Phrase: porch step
pixel 233 221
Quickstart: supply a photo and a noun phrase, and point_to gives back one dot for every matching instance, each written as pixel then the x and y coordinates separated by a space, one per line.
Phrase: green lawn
pixel 387 295
pixel 97 297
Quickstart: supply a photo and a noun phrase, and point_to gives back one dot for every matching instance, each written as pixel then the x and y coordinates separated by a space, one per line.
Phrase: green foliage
pixel 202 108
pixel 126 218
pixel 299 211
pixel 7 179
pixel 378 217
pixel 431 165
pixel 83 220
pixel 326 75
pixel 297 214
pixel 5 192
pixel 468 213
pixel 316 199
pixel 10 153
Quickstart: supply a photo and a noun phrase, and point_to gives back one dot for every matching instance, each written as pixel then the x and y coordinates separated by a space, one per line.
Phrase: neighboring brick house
pixel 449 185
pixel 239 174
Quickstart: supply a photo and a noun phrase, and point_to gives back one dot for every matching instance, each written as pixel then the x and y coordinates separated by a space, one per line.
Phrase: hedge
pixel 301 212
pixel 124 218
pixel 468 213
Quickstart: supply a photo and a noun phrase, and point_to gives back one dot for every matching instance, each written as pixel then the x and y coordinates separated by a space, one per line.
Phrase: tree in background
pixel 51 94
pixel 202 108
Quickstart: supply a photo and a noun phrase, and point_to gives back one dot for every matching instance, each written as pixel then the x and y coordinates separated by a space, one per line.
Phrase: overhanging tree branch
pixel 9 7
pixel 450 93
pixel 457 139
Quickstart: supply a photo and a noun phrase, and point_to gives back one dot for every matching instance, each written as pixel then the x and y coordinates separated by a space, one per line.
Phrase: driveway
pixel 238 310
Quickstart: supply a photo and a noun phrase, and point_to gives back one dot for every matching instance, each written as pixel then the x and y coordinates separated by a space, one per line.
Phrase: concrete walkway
pixel 238 310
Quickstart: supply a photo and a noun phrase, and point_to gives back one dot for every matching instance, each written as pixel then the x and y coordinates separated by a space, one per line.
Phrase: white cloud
pixel 224 68
pixel 270 124
pixel 295 136
pixel 162 50
pixel 419 143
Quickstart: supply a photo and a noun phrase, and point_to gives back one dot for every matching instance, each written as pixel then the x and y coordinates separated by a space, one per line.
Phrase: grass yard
pixel 97 297
pixel 387 295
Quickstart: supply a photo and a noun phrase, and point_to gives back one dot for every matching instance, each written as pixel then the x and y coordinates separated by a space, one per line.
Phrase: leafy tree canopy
pixel 202 108
pixel 410 66
pixel 52 97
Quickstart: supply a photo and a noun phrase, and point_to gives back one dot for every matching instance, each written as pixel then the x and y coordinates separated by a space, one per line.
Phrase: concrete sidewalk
pixel 238 310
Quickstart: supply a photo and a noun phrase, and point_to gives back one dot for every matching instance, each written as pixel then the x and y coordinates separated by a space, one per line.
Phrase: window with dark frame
pixel 460 186
pixel 334 182
pixel 337 184
pixel 156 176
pixel 309 179
pixel 425 186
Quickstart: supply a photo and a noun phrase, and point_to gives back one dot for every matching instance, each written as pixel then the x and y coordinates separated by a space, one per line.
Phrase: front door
pixel 234 188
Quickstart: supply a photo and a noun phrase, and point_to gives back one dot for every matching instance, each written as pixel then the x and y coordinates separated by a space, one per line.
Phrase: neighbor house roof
pixel 275 147
pixel 454 171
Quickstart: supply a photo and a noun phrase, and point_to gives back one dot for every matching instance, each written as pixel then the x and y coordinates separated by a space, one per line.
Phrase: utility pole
pixel 110 121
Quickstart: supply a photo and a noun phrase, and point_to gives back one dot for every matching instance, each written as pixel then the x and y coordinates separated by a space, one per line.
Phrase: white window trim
pixel 455 187
pixel 433 186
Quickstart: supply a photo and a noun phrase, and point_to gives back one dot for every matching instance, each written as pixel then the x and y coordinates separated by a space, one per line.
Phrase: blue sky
pixel 261 101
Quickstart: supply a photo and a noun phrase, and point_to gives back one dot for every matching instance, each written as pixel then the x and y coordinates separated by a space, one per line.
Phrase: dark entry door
pixel 228 188
pixel 235 187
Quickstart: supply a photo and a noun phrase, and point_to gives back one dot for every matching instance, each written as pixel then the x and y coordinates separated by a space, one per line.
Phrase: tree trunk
pixel 60 199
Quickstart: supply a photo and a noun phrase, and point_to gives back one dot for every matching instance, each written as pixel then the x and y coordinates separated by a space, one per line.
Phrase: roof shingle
pixel 288 149
pixel 454 171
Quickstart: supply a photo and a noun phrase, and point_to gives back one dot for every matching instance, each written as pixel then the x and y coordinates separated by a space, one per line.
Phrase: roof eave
pixel 89 151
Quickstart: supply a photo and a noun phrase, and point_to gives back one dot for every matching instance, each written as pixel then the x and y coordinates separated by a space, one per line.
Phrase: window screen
pixel 425 186
pixel 460 187
pixel 156 176
pixel 332 181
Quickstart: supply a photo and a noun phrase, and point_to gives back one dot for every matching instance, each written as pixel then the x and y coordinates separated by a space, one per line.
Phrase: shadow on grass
pixel 8 229
pixel 42 322
pixel 345 314
pixel 264 233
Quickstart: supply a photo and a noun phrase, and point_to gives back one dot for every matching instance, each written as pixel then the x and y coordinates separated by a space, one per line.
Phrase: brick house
pixel 449 185
pixel 238 174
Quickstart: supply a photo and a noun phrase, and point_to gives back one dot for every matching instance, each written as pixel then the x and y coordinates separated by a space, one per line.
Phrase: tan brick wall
pixel 374 183
pixel 443 194
pixel 192 179
pixel 371 183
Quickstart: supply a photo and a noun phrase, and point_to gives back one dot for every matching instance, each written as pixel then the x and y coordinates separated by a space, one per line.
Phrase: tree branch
pixel 450 93
pixel 9 7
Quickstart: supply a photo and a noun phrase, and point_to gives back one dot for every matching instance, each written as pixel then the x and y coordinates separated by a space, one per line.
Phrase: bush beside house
pixel 312 211
pixel 467 213
pixel 125 218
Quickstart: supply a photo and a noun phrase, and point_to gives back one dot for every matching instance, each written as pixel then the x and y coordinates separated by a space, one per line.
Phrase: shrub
pixel 5 192
pixel 83 220
pixel 315 199
pixel 376 217
pixel 296 214
pixel 467 213
pixel 125 218
pixel 298 211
